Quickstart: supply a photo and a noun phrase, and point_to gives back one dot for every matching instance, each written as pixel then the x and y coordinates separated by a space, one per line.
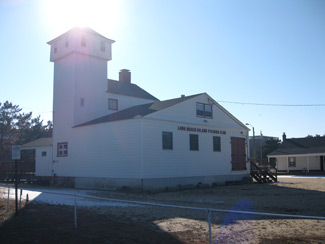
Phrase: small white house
pixel 43 155
pixel 300 155
pixel 109 133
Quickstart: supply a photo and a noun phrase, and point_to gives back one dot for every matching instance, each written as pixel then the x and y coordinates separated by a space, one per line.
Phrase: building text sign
pixel 201 130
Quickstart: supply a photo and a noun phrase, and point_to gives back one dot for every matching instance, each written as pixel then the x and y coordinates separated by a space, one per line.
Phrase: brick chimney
pixel 284 137
pixel 125 76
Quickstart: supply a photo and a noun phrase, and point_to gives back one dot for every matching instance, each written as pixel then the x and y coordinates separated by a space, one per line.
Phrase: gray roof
pixel 42 142
pixel 128 89
pixel 138 111
pixel 307 145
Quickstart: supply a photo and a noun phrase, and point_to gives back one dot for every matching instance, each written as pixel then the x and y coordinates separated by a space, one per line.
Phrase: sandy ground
pixel 294 196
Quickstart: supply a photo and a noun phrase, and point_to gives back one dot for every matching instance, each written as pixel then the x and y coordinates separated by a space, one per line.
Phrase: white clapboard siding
pixel 109 150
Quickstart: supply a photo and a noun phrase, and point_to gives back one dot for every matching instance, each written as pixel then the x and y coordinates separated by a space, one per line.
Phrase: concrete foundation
pixel 155 183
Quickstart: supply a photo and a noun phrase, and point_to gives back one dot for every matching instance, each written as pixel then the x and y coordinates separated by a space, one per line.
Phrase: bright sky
pixel 252 51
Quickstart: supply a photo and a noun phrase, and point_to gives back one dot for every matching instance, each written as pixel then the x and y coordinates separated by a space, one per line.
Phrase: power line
pixel 274 104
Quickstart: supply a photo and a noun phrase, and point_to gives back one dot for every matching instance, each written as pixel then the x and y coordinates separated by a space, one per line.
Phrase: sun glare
pixel 61 15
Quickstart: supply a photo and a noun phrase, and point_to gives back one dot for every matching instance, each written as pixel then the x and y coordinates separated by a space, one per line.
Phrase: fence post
pixel 209 221
pixel 75 211
pixel 16 186
pixel 8 202
pixel 21 193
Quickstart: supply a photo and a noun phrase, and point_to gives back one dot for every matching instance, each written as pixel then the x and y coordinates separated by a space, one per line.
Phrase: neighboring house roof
pixel 307 145
pixel 138 111
pixel 42 142
pixel 128 89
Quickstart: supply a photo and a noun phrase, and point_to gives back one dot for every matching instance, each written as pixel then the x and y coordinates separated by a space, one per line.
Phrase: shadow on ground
pixel 41 223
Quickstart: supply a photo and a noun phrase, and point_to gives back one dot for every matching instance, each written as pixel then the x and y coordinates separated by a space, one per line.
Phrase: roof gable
pixel 128 89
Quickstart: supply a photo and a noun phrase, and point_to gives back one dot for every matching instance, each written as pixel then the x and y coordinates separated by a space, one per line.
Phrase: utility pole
pixel 254 148
pixel 261 146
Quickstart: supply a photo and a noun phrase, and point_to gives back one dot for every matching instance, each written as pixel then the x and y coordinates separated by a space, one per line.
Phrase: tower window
pixel 83 41
pixel 102 46
pixel 112 104
pixel 66 42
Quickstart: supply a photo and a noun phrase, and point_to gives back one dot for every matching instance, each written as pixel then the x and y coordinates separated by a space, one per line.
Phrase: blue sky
pixel 262 52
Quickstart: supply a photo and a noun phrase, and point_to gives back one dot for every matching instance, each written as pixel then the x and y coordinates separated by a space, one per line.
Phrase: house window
pixel 44 153
pixel 167 140
pixel 292 161
pixel 112 104
pixel 216 144
pixel 62 149
pixel 83 41
pixel 102 46
pixel 204 110
pixel 194 142
pixel 55 49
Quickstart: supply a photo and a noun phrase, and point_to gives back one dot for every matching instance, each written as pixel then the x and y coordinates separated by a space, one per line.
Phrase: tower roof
pixel 85 30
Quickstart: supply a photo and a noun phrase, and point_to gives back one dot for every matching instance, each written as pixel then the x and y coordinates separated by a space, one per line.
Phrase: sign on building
pixel 16 152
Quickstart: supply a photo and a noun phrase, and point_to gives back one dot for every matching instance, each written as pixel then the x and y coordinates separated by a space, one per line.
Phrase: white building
pixel 110 133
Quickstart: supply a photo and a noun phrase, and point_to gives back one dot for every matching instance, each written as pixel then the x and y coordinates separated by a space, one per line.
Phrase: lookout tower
pixel 80 76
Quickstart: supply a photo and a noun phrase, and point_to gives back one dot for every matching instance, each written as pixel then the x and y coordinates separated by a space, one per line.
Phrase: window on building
pixel 194 142
pixel 83 41
pixel 62 149
pixel 216 144
pixel 112 104
pixel 292 161
pixel 102 46
pixel 167 140
pixel 67 42
pixel 44 153
pixel 204 110
pixel 82 102
pixel 55 49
